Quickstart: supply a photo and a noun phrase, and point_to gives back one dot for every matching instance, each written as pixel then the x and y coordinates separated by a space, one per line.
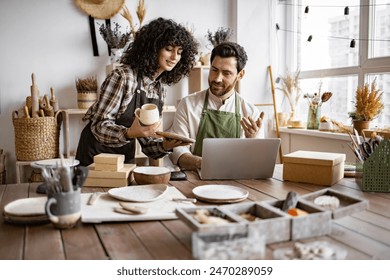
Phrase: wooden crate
pixel 274 225
pixel 348 204
pixel 316 223
pixel 318 168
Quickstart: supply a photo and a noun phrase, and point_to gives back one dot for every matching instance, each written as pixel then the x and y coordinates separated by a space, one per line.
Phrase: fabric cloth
pixel 217 124
pixel 189 111
pixel 122 93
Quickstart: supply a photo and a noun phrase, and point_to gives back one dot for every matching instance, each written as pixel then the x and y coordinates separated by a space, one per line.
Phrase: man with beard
pixel 219 111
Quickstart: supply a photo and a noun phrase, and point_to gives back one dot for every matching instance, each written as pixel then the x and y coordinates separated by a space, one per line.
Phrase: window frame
pixel 365 65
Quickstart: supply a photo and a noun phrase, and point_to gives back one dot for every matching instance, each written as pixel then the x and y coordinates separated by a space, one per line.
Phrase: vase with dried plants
pixel 368 105
pixel 292 91
pixel 86 91
pixel 315 101
pixel 113 36
pixel 222 34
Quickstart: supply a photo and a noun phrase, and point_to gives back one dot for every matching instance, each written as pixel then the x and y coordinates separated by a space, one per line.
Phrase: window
pixel 328 58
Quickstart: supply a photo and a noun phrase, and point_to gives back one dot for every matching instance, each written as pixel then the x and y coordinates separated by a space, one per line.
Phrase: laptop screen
pixel 239 158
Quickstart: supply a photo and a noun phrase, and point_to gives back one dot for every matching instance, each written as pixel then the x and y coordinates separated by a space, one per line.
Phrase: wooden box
pixel 316 223
pixel 348 204
pixel 272 224
pixel 99 178
pixel 187 216
pixel 317 168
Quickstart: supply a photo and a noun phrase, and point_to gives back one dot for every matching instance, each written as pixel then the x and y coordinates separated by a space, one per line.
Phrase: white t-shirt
pixel 188 114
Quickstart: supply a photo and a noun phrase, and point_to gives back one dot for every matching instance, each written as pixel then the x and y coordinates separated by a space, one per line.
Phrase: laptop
pixel 238 158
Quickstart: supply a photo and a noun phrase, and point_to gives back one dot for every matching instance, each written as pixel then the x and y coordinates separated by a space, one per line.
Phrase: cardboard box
pixel 317 168
pixel 109 158
pixel 109 167
pixel 270 223
pixel 98 178
pixel 122 173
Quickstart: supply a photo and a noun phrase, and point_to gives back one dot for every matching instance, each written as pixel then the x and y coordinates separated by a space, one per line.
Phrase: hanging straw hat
pixel 100 9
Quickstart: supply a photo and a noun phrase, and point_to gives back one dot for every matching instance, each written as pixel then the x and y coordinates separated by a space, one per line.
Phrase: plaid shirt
pixel 116 93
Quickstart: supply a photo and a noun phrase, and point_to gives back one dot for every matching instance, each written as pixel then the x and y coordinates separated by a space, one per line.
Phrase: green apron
pixel 217 124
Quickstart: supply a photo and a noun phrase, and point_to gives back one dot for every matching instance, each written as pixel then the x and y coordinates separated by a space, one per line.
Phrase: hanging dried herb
pixel 114 38
pixel 221 35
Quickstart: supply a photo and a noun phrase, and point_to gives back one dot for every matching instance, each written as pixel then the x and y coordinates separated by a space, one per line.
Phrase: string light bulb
pixel 309 38
pixel 277 27
pixel 346 11
pixel 352 44
pixel 306 9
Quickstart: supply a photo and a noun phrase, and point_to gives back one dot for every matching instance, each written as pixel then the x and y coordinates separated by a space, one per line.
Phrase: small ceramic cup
pixel 148 114
pixel 64 208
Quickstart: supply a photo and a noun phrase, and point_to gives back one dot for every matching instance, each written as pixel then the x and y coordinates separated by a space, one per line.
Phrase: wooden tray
pixel 316 223
pixel 187 216
pixel 272 224
pixel 348 204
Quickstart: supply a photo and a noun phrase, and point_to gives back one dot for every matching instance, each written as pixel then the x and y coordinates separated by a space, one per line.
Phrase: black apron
pixel 88 145
pixel 217 124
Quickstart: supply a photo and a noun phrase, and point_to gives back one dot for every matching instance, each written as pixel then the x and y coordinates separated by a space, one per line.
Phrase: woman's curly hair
pixel 143 53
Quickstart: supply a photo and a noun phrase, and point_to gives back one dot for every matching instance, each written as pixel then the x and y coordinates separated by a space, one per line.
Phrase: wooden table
pixel 365 235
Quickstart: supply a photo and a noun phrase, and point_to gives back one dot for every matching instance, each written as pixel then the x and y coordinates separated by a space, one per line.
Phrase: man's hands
pixel 189 161
pixel 252 127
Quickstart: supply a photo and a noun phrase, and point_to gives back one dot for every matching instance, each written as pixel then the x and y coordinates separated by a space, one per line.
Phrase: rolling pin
pixel 34 98
pixel 53 100
pixel 48 109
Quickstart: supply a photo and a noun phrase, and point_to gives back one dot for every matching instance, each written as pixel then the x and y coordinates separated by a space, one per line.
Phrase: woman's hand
pixel 252 127
pixel 138 130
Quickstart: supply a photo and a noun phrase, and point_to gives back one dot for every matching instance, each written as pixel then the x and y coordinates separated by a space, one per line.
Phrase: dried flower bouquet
pixel 368 103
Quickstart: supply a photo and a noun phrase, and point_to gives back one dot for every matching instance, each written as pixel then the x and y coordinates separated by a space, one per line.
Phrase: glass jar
pixel 313 116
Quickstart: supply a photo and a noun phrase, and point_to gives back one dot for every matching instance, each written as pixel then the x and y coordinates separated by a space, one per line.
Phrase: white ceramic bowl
pixel 144 175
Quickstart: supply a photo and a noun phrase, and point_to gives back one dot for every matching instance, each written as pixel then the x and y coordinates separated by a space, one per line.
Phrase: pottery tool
pixel 53 100
pixel 357 136
pixel 93 198
pixel 275 112
pixel 34 98
pixel 193 200
pixel 290 201
pixel 26 112
pixel 49 111
pixel 65 176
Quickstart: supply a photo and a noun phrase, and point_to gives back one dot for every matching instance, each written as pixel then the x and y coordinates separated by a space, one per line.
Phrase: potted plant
pixel 368 105
pixel 115 39
pixel 222 34
pixel 86 91
pixel 292 91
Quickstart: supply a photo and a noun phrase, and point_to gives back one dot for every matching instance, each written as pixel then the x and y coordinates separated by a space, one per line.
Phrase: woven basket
pixel 86 99
pixel 36 138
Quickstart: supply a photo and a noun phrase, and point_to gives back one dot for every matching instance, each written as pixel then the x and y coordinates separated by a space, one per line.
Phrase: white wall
pixel 52 40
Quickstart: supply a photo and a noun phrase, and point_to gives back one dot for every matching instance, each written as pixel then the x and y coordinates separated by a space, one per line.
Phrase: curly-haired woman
pixel 162 53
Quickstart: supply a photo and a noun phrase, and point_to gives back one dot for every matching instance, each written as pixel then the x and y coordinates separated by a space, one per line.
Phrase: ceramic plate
pixel 175 136
pixel 25 207
pixel 220 193
pixel 141 193
pixel 296 127
pixel 55 162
